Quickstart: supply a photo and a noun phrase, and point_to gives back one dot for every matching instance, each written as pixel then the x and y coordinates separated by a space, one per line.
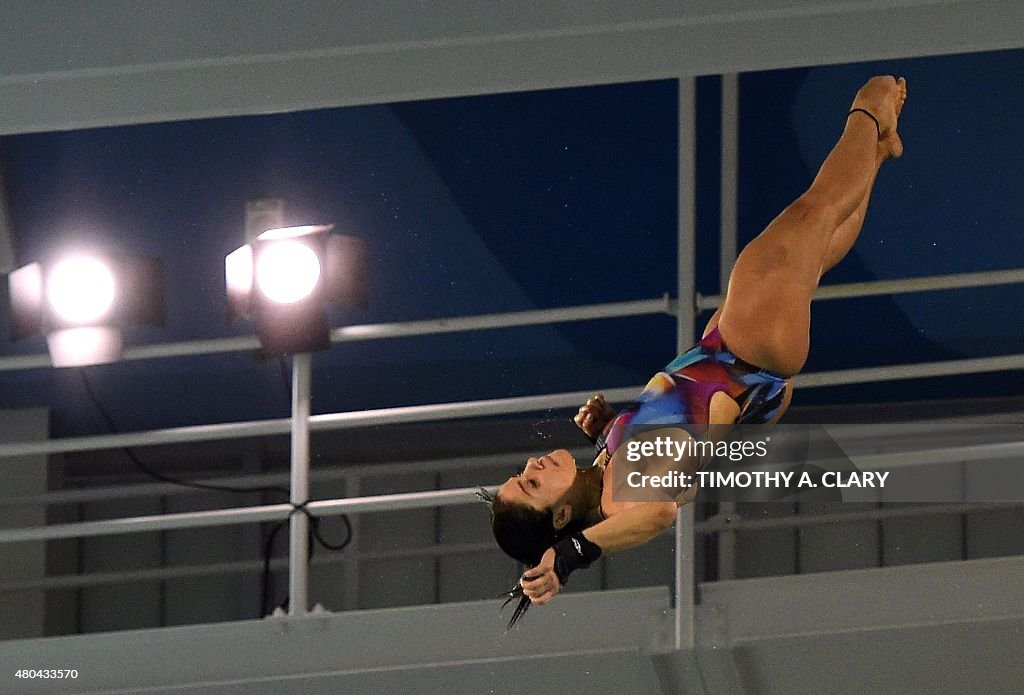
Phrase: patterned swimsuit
pixel 681 394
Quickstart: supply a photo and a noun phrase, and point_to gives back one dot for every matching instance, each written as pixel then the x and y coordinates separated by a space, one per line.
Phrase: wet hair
pixel 521 531
pixel 524 534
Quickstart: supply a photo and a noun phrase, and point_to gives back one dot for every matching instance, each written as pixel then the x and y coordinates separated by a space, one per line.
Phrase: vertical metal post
pixel 298 549
pixel 727 543
pixel 729 240
pixel 352 561
pixel 686 315
pixel 6 237
pixel 729 178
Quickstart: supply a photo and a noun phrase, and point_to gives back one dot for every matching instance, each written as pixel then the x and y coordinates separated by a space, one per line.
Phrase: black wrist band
pixel 572 553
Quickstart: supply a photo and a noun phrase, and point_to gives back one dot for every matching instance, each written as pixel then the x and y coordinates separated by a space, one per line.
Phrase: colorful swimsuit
pixel 681 394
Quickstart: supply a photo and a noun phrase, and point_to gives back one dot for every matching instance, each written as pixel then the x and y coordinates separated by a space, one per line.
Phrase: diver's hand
pixel 540 583
pixel 594 415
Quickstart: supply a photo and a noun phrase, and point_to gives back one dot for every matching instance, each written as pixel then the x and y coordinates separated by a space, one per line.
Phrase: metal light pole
pixel 683 637
pixel 298 558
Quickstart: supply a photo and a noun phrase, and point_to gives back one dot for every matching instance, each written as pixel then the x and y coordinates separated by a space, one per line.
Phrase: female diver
pixel 555 518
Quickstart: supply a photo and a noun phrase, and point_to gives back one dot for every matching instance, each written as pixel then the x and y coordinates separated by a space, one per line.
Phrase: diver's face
pixel 544 481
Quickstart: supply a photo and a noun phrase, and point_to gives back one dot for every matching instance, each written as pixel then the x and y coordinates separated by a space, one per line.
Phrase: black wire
pixel 282 370
pixel 160 476
pixel 314 532
pixel 314 521
pixel 314 527
pixel 268 549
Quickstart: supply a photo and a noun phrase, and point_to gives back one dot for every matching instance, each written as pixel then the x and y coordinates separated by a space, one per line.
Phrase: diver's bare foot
pixel 891 146
pixel 884 97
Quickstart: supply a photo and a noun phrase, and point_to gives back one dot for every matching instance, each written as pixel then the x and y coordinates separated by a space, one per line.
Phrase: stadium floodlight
pixel 288 272
pixel 81 301
pixel 81 289
pixel 285 278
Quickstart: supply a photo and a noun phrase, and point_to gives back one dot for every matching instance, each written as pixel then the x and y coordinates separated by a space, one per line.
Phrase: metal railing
pixel 928 283
pixel 426 499
pixel 726 521
pixel 425 413
pixel 378 331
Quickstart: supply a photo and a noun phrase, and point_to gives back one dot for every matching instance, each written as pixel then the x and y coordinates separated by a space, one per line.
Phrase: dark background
pixel 530 200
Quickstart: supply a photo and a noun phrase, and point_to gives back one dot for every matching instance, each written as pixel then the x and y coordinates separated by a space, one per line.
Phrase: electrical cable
pixel 314 521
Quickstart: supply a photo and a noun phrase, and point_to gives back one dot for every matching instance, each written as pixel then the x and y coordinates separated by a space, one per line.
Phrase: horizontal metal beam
pixel 416 500
pixel 97 493
pixel 177 435
pixel 736 522
pixel 715 524
pixel 350 555
pixel 240 515
pixel 928 283
pixel 74 65
pixel 318 423
pixel 467 409
pixel 377 331
pixel 534 317
pixel 94 493
pixel 921 370
pixel 960 454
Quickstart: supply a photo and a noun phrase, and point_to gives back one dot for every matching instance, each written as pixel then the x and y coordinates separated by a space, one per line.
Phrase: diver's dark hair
pixel 524 534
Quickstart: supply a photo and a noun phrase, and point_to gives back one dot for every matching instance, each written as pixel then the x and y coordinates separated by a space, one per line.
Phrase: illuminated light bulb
pixel 81 289
pixel 287 272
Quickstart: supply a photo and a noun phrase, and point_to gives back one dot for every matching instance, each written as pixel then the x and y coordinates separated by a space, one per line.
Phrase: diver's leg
pixel 765 318
pixel 846 233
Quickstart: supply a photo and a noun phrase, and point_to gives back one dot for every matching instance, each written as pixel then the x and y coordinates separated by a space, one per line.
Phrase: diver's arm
pixel 594 415
pixel 633 526
pixel 630 527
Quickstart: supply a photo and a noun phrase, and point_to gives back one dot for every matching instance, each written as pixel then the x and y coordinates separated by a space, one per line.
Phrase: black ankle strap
pixel 870 115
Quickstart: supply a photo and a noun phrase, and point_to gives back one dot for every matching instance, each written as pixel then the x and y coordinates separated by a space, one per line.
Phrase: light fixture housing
pixel 266 282
pixel 81 301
